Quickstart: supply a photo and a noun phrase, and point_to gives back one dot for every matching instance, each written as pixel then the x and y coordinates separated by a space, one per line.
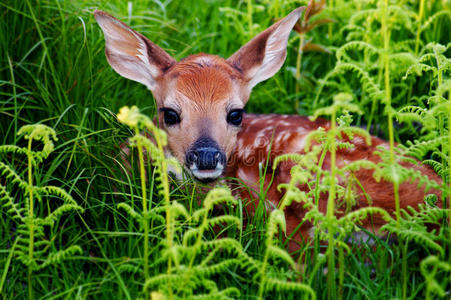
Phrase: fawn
pixel 200 101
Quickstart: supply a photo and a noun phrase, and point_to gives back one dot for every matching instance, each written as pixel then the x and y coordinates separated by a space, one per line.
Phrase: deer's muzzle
pixel 205 159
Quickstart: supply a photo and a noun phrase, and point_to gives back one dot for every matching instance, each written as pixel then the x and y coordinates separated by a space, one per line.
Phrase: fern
pixel 413 226
pixel 430 268
pixel 279 286
pixel 432 19
pixel 395 172
pixel 32 248
pixel 267 283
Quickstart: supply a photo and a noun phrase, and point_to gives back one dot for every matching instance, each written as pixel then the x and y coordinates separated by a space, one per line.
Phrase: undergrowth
pixel 76 221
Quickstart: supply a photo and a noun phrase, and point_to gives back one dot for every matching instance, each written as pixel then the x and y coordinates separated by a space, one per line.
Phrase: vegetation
pixel 78 222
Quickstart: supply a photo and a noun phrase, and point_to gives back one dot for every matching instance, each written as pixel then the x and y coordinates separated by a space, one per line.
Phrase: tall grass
pixel 390 59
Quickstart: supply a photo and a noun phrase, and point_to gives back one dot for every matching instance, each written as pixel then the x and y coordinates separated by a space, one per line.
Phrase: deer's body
pixel 201 99
pixel 264 137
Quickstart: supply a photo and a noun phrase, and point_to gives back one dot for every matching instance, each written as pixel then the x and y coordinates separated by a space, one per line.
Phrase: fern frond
pixel 400 63
pixel 162 279
pixel 413 225
pixel 405 45
pixel 130 268
pixel 13 177
pixel 57 213
pixel 352 131
pixel 190 235
pixel 276 220
pixel 413 114
pixel 228 244
pixel 423 180
pixel 40 132
pixel 212 255
pixel 354 218
pixel 432 19
pixel 354 45
pixel 229 293
pixel 13 149
pixel 58 257
pixel 226 219
pixel 356 165
pixel 218 196
pixel 437 166
pixel 199 213
pixel 368 85
pixel 54 190
pixel 418 70
pixel 363 15
pixel 276 252
pixel 212 269
pixel 421 238
pixel 429 268
pixel 279 286
pixel 151 215
pixel 401 16
pixel 130 211
pixel 178 210
pixel 12 208
pixel 419 149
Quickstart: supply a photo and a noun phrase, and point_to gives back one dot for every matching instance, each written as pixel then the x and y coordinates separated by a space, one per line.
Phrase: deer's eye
pixel 235 117
pixel 171 117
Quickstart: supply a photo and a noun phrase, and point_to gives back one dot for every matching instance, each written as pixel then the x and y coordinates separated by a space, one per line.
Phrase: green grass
pixel 53 71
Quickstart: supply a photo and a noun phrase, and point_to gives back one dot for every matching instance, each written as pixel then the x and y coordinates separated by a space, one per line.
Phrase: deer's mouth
pixel 207 176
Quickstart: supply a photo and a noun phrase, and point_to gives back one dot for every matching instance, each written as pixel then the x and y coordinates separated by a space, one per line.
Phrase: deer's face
pixel 200 102
pixel 200 99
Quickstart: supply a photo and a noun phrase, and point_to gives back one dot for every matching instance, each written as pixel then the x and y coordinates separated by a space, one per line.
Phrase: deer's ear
pixel 131 54
pixel 263 56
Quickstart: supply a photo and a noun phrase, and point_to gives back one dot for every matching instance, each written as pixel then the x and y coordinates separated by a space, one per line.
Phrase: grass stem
pixel 420 17
pixel 142 173
pixel 167 201
pixel 449 171
pixel 331 290
pixel 298 69
pixel 329 26
pixel 249 17
pixel 30 221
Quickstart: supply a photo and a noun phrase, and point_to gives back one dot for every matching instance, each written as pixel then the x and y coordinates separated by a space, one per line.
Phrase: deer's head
pixel 200 99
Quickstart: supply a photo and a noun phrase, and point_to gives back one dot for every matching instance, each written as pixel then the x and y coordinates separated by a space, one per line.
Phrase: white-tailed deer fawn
pixel 200 102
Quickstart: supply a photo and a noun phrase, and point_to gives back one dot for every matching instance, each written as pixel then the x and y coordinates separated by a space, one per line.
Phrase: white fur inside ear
pixel 127 52
pixel 154 72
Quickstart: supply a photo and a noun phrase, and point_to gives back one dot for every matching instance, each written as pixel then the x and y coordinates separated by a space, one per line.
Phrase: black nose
pixel 205 158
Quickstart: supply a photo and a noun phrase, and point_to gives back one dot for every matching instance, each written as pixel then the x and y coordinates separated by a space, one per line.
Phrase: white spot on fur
pixel 299 144
pixel 247 151
pixel 284 123
pixel 245 176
